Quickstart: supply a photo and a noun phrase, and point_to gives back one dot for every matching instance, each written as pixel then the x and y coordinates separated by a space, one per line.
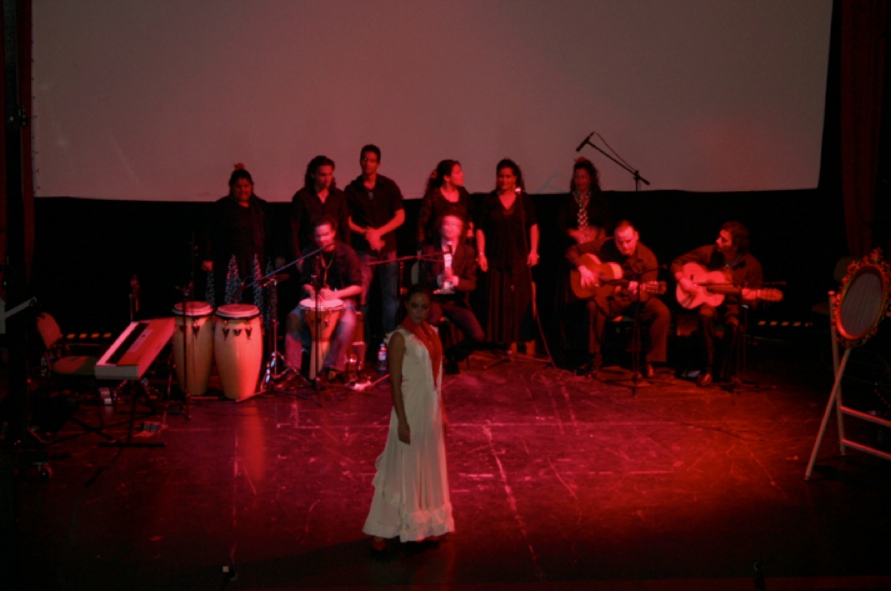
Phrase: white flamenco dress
pixel 411 496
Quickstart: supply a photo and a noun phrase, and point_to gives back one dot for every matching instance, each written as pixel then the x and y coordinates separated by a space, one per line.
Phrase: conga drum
pixel 321 328
pixel 193 345
pixel 238 349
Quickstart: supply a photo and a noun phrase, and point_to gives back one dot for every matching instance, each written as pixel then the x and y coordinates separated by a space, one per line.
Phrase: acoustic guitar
pixel 610 281
pixel 713 286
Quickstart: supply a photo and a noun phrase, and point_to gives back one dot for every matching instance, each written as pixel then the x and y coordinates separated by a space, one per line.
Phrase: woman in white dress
pixel 411 496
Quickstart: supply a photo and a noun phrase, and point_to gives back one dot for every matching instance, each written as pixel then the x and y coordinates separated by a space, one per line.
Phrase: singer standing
pixel 507 246
pixel 582 216
pixel 445 195
pixel 319 196
pixel 376 210
pixel 240 243
pixel 635 288
pixel 333 275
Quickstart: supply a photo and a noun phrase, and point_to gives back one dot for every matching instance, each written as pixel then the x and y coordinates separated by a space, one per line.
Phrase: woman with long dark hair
pixel 584 214
pixel 445 195
pixel 507 245
pixel 240 243
pixel 318 197
pixel 411 489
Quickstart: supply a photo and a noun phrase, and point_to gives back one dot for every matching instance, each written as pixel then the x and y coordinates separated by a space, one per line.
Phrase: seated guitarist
pixel 742 272
pixel 618 292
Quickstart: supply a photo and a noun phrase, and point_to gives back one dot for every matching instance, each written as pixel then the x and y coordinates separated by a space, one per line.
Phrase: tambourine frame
pixel 871 306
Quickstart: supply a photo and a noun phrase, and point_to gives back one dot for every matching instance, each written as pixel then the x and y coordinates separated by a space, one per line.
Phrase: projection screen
pixel 140 100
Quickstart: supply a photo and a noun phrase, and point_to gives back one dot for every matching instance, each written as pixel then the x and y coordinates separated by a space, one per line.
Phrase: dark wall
pixel 87 250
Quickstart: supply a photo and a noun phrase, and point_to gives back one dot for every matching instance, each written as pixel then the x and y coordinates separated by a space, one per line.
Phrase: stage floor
pixel 557 481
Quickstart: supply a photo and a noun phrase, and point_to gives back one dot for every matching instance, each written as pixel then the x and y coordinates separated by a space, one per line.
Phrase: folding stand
pixel 855 313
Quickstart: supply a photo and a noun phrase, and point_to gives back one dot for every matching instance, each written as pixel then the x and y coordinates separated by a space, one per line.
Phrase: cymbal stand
pixel 277 368
pixel 273 374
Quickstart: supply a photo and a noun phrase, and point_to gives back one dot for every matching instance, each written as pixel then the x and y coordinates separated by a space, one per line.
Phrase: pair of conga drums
pixel 233 336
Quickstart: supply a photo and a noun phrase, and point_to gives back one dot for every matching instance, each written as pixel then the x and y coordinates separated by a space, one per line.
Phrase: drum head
pixel 332 304
pixel 238 311
pixel 193 309
pixel 862 301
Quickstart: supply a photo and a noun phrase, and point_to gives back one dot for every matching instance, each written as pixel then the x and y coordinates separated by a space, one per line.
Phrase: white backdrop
pixel 157 100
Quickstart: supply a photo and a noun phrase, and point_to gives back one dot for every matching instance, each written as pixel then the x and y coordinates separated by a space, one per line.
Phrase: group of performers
pixel 339 240
pixel 342 239
pixel 717 280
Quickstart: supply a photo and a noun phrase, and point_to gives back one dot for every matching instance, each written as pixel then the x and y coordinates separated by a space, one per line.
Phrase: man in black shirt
pixel 631 282
pixel 334 282
pixel 376 210
pixel 729 257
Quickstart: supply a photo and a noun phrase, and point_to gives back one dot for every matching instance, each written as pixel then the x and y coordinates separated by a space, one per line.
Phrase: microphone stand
pixel 186 294
pixel 634 173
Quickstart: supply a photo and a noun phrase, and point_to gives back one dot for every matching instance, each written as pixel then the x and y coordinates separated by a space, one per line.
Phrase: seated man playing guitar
pixel 619 275
pixel 719 279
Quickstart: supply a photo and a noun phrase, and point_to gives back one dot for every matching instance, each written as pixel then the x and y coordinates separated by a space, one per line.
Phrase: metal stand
pixel 277 369
pixel 624 165
pixel 637 379
pixel 842 411
pixel 273 374
pixel 144 392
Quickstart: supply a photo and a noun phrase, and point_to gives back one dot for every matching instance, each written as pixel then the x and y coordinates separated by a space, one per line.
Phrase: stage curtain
pixel 17 197
pixel 863 28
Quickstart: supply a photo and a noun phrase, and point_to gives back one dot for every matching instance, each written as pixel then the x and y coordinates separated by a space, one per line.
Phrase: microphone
pixel 584 141
pixel 135 291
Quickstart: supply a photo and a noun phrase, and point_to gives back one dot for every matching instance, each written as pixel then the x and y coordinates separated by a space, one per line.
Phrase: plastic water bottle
pixel 382 359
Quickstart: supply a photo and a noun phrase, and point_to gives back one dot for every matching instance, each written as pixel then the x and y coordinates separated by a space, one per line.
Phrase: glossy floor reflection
pixel 557 481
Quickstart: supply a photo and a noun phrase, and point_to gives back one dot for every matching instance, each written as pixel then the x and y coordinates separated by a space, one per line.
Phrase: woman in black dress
pixel 240 243
pixel 445 195
pixel 507 243
pixel 582 216
pixel 584 213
